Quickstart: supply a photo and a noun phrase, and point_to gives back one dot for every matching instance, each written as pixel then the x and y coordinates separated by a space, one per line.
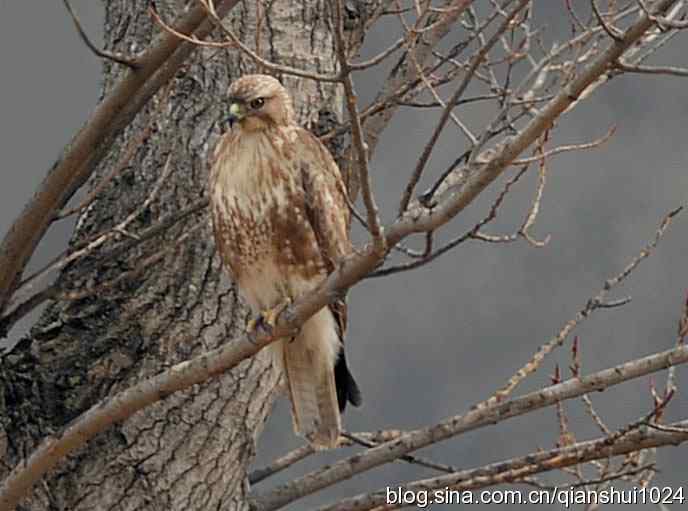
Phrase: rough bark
pixel 190 451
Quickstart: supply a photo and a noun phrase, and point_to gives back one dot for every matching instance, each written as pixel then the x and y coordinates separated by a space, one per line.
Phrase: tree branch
pixel 653 70
pixel 234 42
pixel 8 320
pixel 130 62
pixel 483 175
pixel 430 145
pixel 91 144
pixel 517 469
pixel 360 146
pixel 474 419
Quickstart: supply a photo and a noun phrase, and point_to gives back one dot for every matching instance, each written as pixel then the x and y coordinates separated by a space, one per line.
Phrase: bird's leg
pixel 267 319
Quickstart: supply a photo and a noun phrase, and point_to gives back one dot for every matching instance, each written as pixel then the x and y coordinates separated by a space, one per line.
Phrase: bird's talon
pixel 258 323
pixel 273 314
pixel 270 317
pixel 266 320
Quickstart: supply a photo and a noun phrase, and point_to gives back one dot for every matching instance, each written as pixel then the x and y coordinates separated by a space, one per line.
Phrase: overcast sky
pixel 430 343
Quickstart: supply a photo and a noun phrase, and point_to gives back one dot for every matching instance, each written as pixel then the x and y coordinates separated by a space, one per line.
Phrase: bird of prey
pixel 281 223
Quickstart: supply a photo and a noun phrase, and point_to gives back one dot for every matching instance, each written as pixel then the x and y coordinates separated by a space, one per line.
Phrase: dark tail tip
pixel 347 389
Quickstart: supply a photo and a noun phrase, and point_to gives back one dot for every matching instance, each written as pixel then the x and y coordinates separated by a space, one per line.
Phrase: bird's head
pixel 257 102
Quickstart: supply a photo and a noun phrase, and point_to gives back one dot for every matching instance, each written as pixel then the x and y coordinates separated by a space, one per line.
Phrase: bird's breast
pixel 260 219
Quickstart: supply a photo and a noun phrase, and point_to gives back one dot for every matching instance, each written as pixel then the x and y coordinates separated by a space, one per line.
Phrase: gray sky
pixel 430 343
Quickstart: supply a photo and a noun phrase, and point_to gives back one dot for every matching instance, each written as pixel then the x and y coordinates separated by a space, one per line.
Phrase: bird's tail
pixel 308 362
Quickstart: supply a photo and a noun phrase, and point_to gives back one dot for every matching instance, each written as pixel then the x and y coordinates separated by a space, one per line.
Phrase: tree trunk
pixel 190 451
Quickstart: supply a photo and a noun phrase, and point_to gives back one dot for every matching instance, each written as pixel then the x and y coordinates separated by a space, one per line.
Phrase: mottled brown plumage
pixel 281 223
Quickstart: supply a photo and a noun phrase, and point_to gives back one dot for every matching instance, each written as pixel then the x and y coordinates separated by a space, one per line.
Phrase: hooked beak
pixel 236 113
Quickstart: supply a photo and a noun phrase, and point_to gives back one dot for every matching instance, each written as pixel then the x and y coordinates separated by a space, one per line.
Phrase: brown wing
pixel 325 198
pixel 326 208
pixel 327 211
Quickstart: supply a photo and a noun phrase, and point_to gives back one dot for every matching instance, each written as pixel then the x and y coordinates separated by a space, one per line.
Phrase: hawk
pixel 281 224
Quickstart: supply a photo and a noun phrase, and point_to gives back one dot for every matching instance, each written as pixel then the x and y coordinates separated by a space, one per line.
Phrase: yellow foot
pixel 267 319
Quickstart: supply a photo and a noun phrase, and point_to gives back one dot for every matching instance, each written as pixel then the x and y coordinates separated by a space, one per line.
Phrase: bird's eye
pixel 257 103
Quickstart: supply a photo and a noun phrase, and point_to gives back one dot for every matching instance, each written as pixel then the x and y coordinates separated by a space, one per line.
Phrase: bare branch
pixel 680 340
pixel 535 205
pixel 611 31
pixel 413 460
pixel 234 42
pixel 9 319
pixel 568 148
pixel 373 61
pixel 652 70
pixel 475 62
pixel 428 256
pixel 517 469
pixel 346 440
pixel 403 78
pixel 373 223
pixel 566 436
pixel 504 154
pixel 484 416
pixel 677 428
pixel 156 66
pixel 281 463
pixel 130 62
pixel 575 372
pixel 100 239
pixel 184 37
pixel 594 303
pixel 662 22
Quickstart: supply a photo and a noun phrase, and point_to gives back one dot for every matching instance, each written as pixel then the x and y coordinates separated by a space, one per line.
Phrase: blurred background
pixel 430 343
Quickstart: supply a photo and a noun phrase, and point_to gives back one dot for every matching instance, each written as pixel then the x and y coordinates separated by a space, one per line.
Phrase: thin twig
pixel 130 62
pixel 365 181
pixel 652 70
pixel 479 417
pixel 10 318
pixel 281 463
pixel 576 372
pixel 476 60
pixel 682 333
pixel 141 266
pixel 535 205
pixel 568 148
pixel 611 31
pixel 662 22
pixel 474 233
pixel 235 42
pixel 413 460
pixel 374 61
pixel 594 303
pixel 132 146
